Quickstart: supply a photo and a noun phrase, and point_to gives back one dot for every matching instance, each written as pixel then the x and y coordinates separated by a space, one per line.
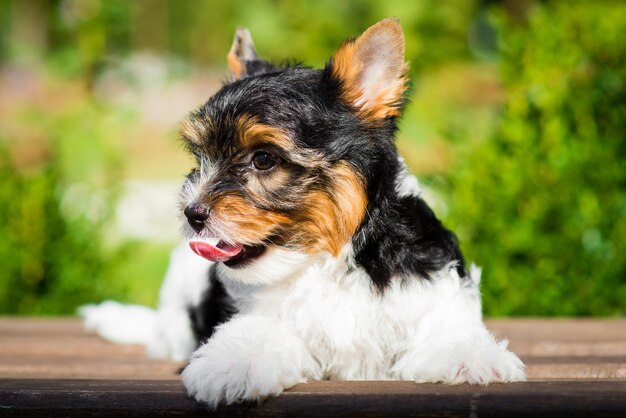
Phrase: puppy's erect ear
pixel 371 71
pixel 243 60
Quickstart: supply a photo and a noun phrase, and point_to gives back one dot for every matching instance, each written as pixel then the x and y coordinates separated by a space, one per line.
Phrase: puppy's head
pixel 289 157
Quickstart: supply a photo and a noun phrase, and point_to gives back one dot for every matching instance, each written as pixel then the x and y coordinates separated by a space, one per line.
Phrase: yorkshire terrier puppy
pixel 323 261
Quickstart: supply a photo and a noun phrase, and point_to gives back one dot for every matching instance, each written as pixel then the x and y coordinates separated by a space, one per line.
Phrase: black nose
pixel 197 214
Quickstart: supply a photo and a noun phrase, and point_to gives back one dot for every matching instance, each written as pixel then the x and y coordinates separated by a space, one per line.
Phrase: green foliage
pixel 55 196
pixel 309 30
pixel 56 207
pixel 83 34
pixel 541 204
pixel 539 200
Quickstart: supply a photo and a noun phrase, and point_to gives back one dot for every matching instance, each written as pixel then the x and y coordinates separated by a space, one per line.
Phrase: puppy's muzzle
pixel 197 214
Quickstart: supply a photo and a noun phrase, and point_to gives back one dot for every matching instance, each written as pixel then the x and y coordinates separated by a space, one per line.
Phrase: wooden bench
pixel 51 367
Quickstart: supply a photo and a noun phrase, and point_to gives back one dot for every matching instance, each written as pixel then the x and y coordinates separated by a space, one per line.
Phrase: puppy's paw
pixel 234 366
pixel 479 360
pixel 119 323
pixel 216 375
pixel 486 363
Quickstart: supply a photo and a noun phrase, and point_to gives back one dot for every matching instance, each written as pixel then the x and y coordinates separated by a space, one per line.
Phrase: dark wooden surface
pixel 51 367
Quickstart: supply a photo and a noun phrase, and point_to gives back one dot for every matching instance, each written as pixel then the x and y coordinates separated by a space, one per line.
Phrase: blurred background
pixel 516 128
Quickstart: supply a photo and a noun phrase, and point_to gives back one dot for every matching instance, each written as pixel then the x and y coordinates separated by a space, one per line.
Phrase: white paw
pixel 486 363
pixel 238 365
pixel 119 323
pixel 480 360
pixel 214 376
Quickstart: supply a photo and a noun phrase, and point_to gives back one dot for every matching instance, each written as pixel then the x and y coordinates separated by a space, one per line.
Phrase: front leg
pixel 465 354
pixel 247 359
pixel 451 343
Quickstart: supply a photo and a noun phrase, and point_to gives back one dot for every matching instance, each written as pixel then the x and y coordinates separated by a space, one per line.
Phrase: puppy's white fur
pixel 328 322
pixel 304 317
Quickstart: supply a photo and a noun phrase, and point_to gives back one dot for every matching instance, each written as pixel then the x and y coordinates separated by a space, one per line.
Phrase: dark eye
pixel 263 160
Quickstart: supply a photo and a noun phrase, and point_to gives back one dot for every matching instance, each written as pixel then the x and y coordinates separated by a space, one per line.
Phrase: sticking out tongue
pixel 218 253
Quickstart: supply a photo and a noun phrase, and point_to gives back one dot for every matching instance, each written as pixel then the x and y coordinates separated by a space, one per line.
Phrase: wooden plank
pixel 108 368
pixel 60 348
pixel 10 326
pixel 52 367
pixel 71 398
pixel 559 329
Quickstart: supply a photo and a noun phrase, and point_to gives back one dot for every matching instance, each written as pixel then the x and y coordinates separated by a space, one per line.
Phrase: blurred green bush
pixel 541 204
pixel 56 186
pixel 81 35
pixel 61 163
pixel 539 199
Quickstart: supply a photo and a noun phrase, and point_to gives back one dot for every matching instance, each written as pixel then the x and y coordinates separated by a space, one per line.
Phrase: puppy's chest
pixel 349 327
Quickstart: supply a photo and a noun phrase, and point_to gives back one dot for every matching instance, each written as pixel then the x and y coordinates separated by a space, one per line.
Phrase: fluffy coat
pixel 322 259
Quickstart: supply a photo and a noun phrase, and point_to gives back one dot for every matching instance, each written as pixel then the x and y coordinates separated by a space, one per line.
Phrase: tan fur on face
pixel 330 218
pixel 252 134
pixel 248 224
pixel 380 45
pixel 315 220
pixel 326 221
pixel 262 187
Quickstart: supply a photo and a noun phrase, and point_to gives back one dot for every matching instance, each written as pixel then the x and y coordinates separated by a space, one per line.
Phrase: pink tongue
pixel 219 253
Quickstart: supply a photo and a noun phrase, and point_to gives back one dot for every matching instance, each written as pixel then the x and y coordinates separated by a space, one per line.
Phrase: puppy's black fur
pixel 215 308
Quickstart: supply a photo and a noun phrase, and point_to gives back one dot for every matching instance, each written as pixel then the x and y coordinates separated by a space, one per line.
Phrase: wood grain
pixel 51 367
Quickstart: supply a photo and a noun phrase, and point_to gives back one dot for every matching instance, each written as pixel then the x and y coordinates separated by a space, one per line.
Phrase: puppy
pixel 313 255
